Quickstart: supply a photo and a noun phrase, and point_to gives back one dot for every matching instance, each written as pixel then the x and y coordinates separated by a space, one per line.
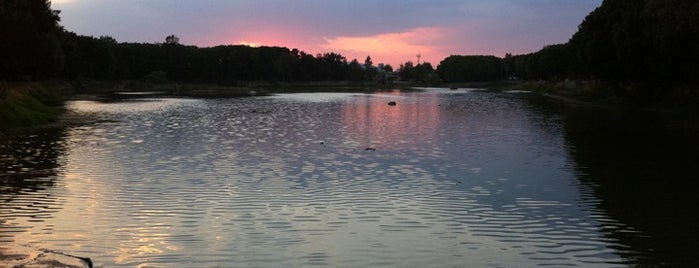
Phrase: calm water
pixel 446 178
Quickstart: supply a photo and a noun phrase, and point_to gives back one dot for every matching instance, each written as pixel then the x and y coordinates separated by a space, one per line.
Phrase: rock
pixel 33 258
pixel 370 149
pixel 392 103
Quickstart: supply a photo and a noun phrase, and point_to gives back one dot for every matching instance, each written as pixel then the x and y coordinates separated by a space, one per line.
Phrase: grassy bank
pixel 204 90
pixel 582 91
pixel 665 97
pixel 28 104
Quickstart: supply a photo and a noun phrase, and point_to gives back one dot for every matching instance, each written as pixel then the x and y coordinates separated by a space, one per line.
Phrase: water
pixel 447 178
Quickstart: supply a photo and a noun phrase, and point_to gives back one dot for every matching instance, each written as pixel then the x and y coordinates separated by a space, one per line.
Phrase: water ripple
pixel 314 180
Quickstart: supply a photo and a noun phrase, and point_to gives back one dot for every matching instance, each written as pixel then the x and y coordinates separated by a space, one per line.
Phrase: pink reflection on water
pixel 371 121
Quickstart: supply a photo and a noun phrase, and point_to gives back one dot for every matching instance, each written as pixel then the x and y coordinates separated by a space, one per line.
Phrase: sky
pixel 390 31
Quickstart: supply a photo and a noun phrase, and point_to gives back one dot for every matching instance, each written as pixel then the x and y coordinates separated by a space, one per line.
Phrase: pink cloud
pixel 391 48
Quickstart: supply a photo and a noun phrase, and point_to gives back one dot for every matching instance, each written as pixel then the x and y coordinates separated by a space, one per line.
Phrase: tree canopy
pixel 30 39
pixel 35 46
pixel 471 68
pixel 646 42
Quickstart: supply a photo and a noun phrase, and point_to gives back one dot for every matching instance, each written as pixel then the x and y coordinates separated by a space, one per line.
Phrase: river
pixel 445 178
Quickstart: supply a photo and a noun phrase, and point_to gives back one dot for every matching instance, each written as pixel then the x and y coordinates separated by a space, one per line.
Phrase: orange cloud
pixel 393 48
pixel 433 43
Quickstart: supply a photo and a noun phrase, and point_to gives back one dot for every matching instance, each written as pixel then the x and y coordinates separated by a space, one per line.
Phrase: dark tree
pixel 89 57
pixel 368 63
pixel 30 39
pixel 388 68
pixel 471 68
pixel 406 71
pixel 423 73
pixel 640 40
pixel 333 66
pixel 172 40
pixel 370 71
pixel 356 73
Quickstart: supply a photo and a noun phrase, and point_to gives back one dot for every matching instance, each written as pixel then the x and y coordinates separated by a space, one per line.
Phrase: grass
pixel 28 104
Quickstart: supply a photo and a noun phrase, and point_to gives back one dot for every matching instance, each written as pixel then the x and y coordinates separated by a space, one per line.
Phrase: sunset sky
pixel 391 31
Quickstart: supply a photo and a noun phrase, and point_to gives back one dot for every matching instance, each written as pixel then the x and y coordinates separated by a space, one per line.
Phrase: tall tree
pixel 368 63
pixel 370 71
pixel 471 68
pixel 640 40
pixel 172 40
pixel 30 39
pixel 405 71
pixel 355 71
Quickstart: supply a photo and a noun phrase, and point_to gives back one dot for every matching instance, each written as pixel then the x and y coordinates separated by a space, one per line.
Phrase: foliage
pixel 29 39
pixel 640 40
pixel 422 73
pixel 644 50
pixel 356 73
pixel 156 77
pixel 23 104
pixel 405 71
pixel 88 57
pixel 471 68
pixel 370 72
pixel 552 62
pixel 638 44
pixel 172 40
pixel 35 46
pixel 388 68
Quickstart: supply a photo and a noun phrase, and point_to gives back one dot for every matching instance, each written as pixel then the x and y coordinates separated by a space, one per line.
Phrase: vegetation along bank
pixel 642 52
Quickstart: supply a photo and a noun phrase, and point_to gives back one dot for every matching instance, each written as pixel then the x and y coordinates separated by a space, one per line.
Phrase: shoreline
pixel 25 256
pixel 24 104
pixel 40 104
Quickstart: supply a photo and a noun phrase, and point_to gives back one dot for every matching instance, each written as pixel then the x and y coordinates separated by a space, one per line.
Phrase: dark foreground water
pixel 447 178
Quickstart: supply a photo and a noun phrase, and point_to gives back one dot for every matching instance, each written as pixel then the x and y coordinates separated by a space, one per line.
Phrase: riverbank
pixel 655 96
pixel 29 103
pixel 676 99
pixel 25 104
pixel 205 90
pixel 678 105
pixel 582 91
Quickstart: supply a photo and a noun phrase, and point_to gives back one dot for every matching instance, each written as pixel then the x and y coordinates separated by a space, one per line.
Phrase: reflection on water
pixel 412 122
pixel 447 178
pixel 642 165
pixel 29 163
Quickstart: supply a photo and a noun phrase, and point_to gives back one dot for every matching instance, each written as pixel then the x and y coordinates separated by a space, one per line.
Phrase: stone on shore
pixel 26 257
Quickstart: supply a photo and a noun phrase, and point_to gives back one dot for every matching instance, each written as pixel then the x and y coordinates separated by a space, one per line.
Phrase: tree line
pixel 640 42
pixel 35 46
pixel 646 46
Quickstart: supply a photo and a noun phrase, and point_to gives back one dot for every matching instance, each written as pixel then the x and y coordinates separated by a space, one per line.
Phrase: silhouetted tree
pixel 89 57
pixel 639 40
pixel 30 39
pixel 406 71
pixel 370 71
pixel 334 66
pixel 356 73
pixel 471 68
pixel 423 73
pixel 172 40
pixel 388 68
